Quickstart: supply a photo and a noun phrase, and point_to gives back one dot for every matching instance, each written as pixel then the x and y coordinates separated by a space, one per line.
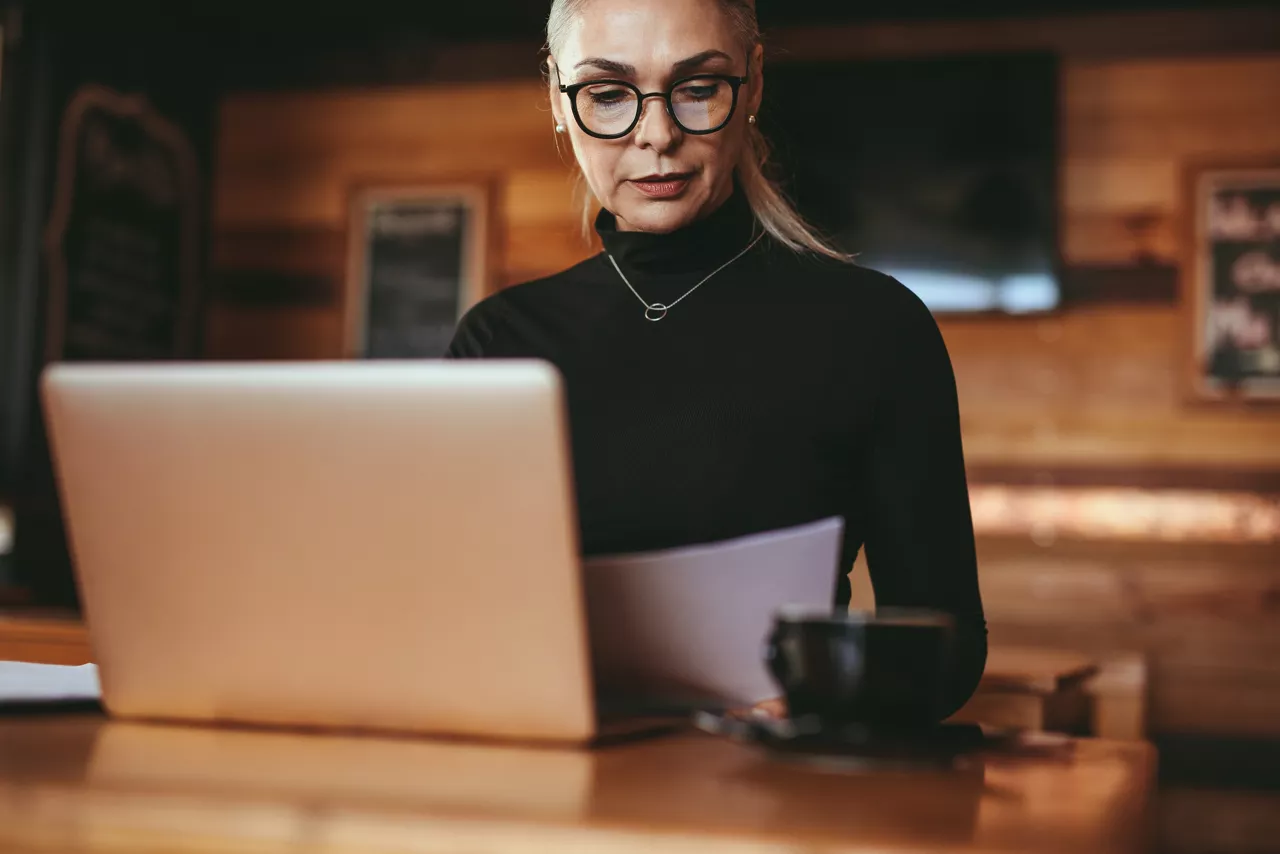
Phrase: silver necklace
pixel 655 311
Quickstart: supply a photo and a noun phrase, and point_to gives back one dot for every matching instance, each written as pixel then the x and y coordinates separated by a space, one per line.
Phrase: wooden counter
pixel 86 785
pixel 1022 687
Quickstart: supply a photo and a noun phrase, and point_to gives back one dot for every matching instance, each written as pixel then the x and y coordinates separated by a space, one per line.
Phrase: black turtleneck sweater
pixel 787 388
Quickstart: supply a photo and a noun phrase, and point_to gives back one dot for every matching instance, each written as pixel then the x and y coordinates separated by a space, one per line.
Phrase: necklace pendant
pixel 655 311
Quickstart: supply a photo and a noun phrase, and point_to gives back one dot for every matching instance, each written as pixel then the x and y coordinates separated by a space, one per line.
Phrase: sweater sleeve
pixel 919 540
pixel 474 335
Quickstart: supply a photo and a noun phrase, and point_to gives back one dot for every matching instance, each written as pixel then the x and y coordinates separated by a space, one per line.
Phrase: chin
pixel 661 216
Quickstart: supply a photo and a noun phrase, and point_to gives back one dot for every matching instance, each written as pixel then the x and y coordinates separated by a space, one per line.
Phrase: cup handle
pixel 774 660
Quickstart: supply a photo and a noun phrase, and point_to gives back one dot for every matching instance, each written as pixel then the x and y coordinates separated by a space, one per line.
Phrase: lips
pixel 664 186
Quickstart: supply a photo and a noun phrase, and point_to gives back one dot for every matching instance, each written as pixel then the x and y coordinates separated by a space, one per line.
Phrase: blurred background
pixel 1071 186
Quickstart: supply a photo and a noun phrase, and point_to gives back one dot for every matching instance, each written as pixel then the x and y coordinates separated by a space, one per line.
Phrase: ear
pixel 755 92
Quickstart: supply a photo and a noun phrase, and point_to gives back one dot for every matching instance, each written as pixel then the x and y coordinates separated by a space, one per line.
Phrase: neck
pixel 700 246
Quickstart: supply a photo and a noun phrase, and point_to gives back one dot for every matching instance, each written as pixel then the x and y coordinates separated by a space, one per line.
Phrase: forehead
pixel 649 34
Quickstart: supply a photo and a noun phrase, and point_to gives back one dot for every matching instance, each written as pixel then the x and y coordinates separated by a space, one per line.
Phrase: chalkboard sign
pixel 1233 281
pixel 418 259
pixel 122 243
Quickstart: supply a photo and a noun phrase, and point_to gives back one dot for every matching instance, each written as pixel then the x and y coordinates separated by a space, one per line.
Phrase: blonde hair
pixel 768 203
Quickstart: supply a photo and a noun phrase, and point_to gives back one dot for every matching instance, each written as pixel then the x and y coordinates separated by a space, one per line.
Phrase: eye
pixel 706 89
pixel 608 95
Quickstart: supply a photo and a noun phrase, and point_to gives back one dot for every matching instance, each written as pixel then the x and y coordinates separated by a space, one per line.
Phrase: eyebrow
pixel 623 69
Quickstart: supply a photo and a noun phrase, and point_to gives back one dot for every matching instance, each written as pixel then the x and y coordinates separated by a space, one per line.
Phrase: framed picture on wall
pixel 419 255
pixel 1231 280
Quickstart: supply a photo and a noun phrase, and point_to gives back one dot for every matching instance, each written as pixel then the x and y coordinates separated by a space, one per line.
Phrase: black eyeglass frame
pixel 735 83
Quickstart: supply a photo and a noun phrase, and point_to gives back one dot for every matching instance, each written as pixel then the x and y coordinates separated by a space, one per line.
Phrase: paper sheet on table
pixel 21 682
pixel 688 626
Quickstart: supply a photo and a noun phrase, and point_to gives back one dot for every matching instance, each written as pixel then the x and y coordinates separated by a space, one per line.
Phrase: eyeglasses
pixel 610 109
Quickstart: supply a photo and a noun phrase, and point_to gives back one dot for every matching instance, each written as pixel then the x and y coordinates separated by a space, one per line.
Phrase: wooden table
pixel 1022 687
pixel 86 785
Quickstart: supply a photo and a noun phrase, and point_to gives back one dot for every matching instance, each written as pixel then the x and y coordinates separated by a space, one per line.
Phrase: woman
pixel 727 371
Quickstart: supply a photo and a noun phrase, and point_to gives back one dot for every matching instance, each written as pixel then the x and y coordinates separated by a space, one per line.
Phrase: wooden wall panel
pixel 1094 387
pixel 541 197
pixel 534 250
pixel 1118 184
pixel 1107 238
pixel 273 332
pixel 313 188
pixel 441 116
pixel 293 158
pixel 1142 87
pixel 320 249
pixel 1129 125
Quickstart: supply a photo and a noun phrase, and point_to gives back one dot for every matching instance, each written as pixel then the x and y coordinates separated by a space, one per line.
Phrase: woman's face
pixel 657 177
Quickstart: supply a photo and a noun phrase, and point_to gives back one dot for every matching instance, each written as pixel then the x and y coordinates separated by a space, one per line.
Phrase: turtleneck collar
pixel 701 245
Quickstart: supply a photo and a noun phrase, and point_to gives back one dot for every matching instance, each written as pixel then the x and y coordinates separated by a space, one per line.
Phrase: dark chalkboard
pixel 1233 275
pixel 123 237
pixel 418 261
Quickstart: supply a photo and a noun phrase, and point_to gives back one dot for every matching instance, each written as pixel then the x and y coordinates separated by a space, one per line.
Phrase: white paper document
pixel 21 682
pixel 689 625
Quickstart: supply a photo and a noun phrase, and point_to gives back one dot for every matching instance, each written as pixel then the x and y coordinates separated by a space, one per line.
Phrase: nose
pixel 656 129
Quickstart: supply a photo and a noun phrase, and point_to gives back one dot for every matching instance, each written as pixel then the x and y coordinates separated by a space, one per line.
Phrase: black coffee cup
pixel 884 669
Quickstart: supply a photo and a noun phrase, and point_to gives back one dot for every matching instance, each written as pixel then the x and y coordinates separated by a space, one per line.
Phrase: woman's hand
pixel 774 709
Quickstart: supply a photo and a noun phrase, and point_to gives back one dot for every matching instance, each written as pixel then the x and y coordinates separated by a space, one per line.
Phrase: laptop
pixel 354 545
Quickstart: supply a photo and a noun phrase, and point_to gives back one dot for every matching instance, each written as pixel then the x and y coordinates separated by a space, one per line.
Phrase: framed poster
pixel 122 244
pixel 418 257
pixel 1231 282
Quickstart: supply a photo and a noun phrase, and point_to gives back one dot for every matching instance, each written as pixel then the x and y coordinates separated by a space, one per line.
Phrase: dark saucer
pixel 854 746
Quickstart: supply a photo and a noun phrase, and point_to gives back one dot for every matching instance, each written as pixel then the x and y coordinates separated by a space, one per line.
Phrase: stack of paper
pixel 21 682
pixel 688 626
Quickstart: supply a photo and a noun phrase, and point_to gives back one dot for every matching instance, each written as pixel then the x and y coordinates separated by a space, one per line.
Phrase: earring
pixel 559 128
pixel 751 119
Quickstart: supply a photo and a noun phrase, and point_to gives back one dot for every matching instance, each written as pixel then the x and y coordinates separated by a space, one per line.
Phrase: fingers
pixel 774 709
